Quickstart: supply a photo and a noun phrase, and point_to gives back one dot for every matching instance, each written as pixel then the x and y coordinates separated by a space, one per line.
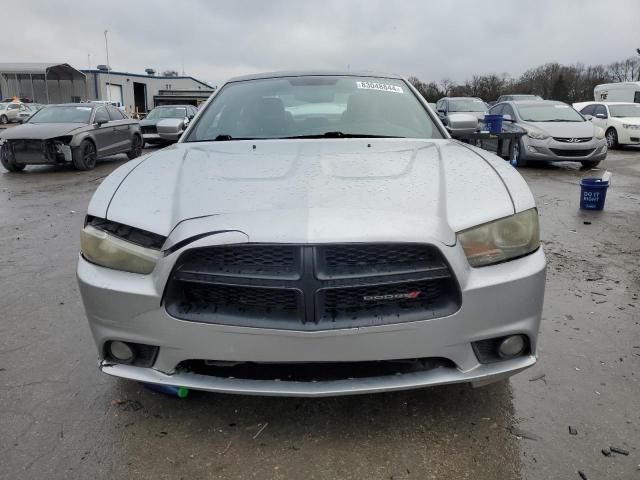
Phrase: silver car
pixel 555 132
pixel 282 247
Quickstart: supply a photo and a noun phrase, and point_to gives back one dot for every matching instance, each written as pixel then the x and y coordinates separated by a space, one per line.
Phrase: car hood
pixel 313 190
pixel 40 131
pixel 564 129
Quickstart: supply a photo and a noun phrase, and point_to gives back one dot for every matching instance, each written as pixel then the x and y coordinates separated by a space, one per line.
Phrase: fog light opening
pixel 121 352
pixel 511 346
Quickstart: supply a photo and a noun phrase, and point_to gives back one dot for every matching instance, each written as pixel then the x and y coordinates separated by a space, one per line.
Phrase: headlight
pixel 501 240
pixel 107 250
pixel 599 133
pixel 536 134
pixel 631 126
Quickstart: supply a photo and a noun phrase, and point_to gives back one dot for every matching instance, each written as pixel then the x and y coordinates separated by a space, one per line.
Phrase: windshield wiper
pixel 222 138
pixel 344 135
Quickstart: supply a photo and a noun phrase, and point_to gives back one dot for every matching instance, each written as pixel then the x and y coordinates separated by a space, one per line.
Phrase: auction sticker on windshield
pixel 384 87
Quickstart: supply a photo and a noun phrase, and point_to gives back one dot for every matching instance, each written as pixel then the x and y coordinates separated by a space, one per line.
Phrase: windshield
pixel 545 112
pixel 167 112
pixel 467 105
pixel 62 114
pixel 314 106
pixel 630 110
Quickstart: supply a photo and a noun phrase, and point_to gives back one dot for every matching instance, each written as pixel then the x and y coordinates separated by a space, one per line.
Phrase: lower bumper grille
pixel 311 287
pixel 572 153
pixel 313 371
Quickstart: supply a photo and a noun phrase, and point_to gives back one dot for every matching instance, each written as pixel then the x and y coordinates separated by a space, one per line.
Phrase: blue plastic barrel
pixel 593 192
pixel 493 123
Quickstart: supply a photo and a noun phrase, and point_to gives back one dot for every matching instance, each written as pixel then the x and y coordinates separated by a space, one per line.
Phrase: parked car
pixel 281 250
pixel 467 111
pixel 555 132
pixel 617 92
pixel 10 112
pixel 76 133
pixel 517 97
pixel 149 125
pixel 619 120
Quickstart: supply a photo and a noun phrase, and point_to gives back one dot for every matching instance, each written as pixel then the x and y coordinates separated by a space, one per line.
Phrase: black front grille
pixel 252 260
pixel 572 153
pixel 309 287
pixel 148 129
pixel 572 139
pixel 358 260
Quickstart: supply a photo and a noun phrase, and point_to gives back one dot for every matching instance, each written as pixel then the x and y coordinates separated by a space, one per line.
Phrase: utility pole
pixel 89 61
pixel 106 44
pixel 638 50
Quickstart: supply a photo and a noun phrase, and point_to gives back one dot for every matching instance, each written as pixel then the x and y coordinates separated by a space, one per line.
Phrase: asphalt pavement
pixel 60 418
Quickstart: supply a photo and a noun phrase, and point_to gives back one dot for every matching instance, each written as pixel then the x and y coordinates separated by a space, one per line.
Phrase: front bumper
pixel 496 301
pixel 628 136
pixel 551 150
pixel 154 138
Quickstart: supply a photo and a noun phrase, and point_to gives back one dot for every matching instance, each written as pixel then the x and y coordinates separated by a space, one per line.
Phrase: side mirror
pixel 170 128
pixel 462 124
pixel 600 115
pixel 99 123
pixel 588 117
pixel 190 117
pixel 507 118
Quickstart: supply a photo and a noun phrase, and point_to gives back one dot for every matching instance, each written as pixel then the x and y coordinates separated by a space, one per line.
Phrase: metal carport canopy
pixel 53 71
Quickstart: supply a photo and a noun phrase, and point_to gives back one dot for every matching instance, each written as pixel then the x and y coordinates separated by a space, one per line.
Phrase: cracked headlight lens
pixel 107 250
pixel 501 240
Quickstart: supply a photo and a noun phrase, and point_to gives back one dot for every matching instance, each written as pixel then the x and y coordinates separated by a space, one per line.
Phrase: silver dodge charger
pixel 313 234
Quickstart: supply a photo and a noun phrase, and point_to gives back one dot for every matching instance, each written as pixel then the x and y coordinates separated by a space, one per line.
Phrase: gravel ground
pixel 62 419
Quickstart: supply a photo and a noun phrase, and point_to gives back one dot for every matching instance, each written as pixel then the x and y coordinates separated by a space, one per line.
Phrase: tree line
pixel 568 83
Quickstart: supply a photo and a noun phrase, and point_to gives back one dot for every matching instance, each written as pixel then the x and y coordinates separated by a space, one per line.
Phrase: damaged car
pixel 313 234
pixel 75 133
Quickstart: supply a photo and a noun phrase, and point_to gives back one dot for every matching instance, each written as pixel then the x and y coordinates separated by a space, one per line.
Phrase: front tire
pixel 84 157
pixel 136 147
pixel 9 162
pixel 517 160
pixel 590 163
pixel 612 138
pixel 4 119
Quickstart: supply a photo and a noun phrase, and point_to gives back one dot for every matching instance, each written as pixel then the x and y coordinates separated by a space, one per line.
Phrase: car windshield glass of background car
pixel 467 105
pixel 622 111
pixel 308 106
pixel 62 114
pixel 549 113
pixel 167 112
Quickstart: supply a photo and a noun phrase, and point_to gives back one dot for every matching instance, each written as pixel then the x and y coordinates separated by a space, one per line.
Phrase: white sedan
pixel 620 121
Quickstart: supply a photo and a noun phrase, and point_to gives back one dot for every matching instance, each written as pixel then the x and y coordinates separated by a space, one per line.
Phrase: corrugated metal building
pixel 138 92
pixel 42 82
pixel 61 83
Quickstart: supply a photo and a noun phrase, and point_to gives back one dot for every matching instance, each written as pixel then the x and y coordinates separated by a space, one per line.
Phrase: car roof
pixel 536 102
pixel 172 106
pixel 312 73
pixel 463 98
pixel 88 105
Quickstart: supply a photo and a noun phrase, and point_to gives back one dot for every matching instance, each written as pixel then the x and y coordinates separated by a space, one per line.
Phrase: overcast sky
pixel 219 39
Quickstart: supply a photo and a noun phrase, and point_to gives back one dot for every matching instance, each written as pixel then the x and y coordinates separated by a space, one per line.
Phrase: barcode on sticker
pixel 384 87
